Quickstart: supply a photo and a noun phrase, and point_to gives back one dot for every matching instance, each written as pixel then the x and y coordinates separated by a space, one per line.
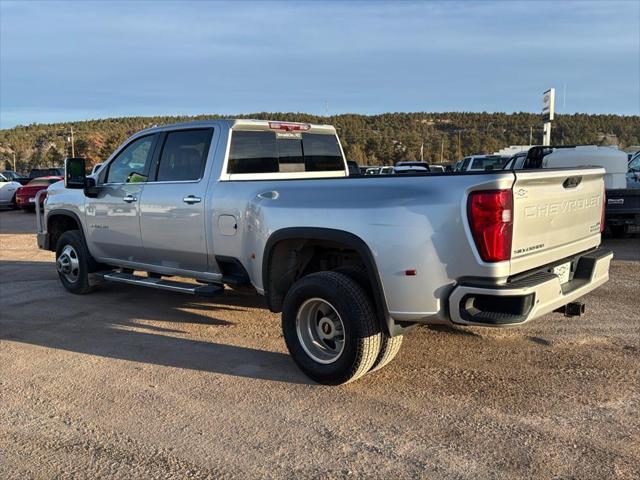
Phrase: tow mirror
pixel 74 173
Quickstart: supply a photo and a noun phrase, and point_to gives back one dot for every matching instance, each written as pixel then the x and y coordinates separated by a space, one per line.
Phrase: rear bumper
pixel 486 304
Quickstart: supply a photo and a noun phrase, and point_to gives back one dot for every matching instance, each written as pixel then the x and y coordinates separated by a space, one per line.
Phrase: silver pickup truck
pixel 352 263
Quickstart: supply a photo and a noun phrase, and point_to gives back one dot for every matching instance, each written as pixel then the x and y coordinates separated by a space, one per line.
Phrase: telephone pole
pixel 442 150
pixel 530 135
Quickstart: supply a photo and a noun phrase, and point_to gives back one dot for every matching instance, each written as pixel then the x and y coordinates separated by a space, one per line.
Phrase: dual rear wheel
pixel 331 329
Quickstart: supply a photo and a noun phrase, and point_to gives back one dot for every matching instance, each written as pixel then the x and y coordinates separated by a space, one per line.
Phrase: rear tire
pixel 72 262
pixel 330 328
pixel 388 351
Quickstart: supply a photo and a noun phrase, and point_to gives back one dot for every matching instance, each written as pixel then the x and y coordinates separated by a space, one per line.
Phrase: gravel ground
pixel 135 383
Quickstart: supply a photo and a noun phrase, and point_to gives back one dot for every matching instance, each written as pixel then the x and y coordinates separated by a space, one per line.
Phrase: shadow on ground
pixel 114 321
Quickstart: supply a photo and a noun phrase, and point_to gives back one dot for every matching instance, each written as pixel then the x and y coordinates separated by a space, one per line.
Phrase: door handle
pixel 130 199
pixel 191 199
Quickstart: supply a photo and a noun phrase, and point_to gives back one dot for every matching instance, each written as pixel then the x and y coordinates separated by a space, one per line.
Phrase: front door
pixel 172 205
pixel 113 217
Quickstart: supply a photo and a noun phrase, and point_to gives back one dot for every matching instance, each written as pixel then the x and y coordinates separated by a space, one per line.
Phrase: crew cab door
pixel 113 216
pixel 172 206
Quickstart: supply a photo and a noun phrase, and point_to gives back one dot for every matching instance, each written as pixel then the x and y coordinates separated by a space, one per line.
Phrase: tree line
pixel 368 139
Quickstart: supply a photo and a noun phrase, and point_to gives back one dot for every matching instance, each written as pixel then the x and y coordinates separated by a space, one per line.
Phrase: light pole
pixel 71 140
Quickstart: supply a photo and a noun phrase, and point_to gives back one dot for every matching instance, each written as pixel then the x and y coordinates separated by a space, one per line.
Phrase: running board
pixel 208 290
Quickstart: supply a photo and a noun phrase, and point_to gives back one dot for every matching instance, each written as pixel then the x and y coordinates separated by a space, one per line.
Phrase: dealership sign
pixel 548 104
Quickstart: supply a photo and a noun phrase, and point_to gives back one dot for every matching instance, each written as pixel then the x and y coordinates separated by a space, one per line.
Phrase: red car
pixel 26 195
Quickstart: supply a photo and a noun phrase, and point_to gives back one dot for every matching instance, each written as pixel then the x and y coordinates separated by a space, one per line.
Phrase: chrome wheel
pixel 68 264
pixel 320 330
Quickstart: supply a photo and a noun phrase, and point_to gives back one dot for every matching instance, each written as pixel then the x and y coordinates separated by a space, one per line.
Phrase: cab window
pixel 184 155
pixel 132 164
pixel 283 152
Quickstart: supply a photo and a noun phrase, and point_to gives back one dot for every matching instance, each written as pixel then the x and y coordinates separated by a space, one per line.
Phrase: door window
pixel 184 155
pixel 132 164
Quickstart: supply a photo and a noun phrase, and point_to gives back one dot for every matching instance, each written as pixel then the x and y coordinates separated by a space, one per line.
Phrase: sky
pixel 69 61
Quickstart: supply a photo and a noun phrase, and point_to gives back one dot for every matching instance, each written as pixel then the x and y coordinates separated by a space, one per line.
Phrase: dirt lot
pixel 134 383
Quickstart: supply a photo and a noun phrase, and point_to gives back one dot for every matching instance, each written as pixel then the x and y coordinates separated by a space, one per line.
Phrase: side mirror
pixel 74 173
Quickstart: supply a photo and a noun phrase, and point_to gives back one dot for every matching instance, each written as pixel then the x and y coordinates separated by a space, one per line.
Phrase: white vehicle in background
pixel 372 171
pixel 8 189
pixel 478 163
pixel 95 168
pixel 436 168
pixel 611 159
pixel 403 168
pixel 386 171
pixel 623 201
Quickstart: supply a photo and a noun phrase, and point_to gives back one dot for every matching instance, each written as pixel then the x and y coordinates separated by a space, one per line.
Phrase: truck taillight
pixel 604 203
pixel 289 127
pixel 491 221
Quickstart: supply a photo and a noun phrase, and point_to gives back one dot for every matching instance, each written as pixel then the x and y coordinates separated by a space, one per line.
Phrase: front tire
pixel 330 328
pixel 72 262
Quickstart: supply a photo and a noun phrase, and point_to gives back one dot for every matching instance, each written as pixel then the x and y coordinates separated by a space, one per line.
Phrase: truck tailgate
pixel 556 214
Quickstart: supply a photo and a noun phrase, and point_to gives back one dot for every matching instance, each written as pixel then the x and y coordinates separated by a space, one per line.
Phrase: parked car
pixel 408 168
pixel 633 173
pixel 8 189
pixel 386 170
pixel 623 199
pixel 353 263
pixel 46 172
pixel 476 163
pixel 97 167
pixel 16 177
pixel 372 171
pixel 26 194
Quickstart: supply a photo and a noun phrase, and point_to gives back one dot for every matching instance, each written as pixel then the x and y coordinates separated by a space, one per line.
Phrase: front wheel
pixel 330 328
pixel 72 262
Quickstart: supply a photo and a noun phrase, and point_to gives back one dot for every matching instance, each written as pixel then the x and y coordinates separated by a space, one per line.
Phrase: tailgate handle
pixel 572 182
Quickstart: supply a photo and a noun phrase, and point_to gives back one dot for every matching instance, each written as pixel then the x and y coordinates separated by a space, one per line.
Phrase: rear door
pixel 173 202
pixel 556 214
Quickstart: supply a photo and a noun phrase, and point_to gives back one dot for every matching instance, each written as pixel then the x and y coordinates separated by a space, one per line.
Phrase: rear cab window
pixel 269 154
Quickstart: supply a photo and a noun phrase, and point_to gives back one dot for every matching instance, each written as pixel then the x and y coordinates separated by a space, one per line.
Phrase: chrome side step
pixel 208 290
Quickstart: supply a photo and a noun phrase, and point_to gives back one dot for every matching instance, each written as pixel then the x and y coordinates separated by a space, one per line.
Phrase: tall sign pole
pixel 548 109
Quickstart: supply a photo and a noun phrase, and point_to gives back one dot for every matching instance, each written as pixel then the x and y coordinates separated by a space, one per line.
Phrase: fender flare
pixel 65 213
pixel 346 238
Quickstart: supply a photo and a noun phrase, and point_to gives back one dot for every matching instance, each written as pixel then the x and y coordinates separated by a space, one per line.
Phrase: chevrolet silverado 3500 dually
pixel 353 263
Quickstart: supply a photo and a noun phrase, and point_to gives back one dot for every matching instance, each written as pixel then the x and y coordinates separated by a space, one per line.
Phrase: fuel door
pixel 227 225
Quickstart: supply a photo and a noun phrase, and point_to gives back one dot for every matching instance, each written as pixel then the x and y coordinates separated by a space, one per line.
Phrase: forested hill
pixel 375 139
